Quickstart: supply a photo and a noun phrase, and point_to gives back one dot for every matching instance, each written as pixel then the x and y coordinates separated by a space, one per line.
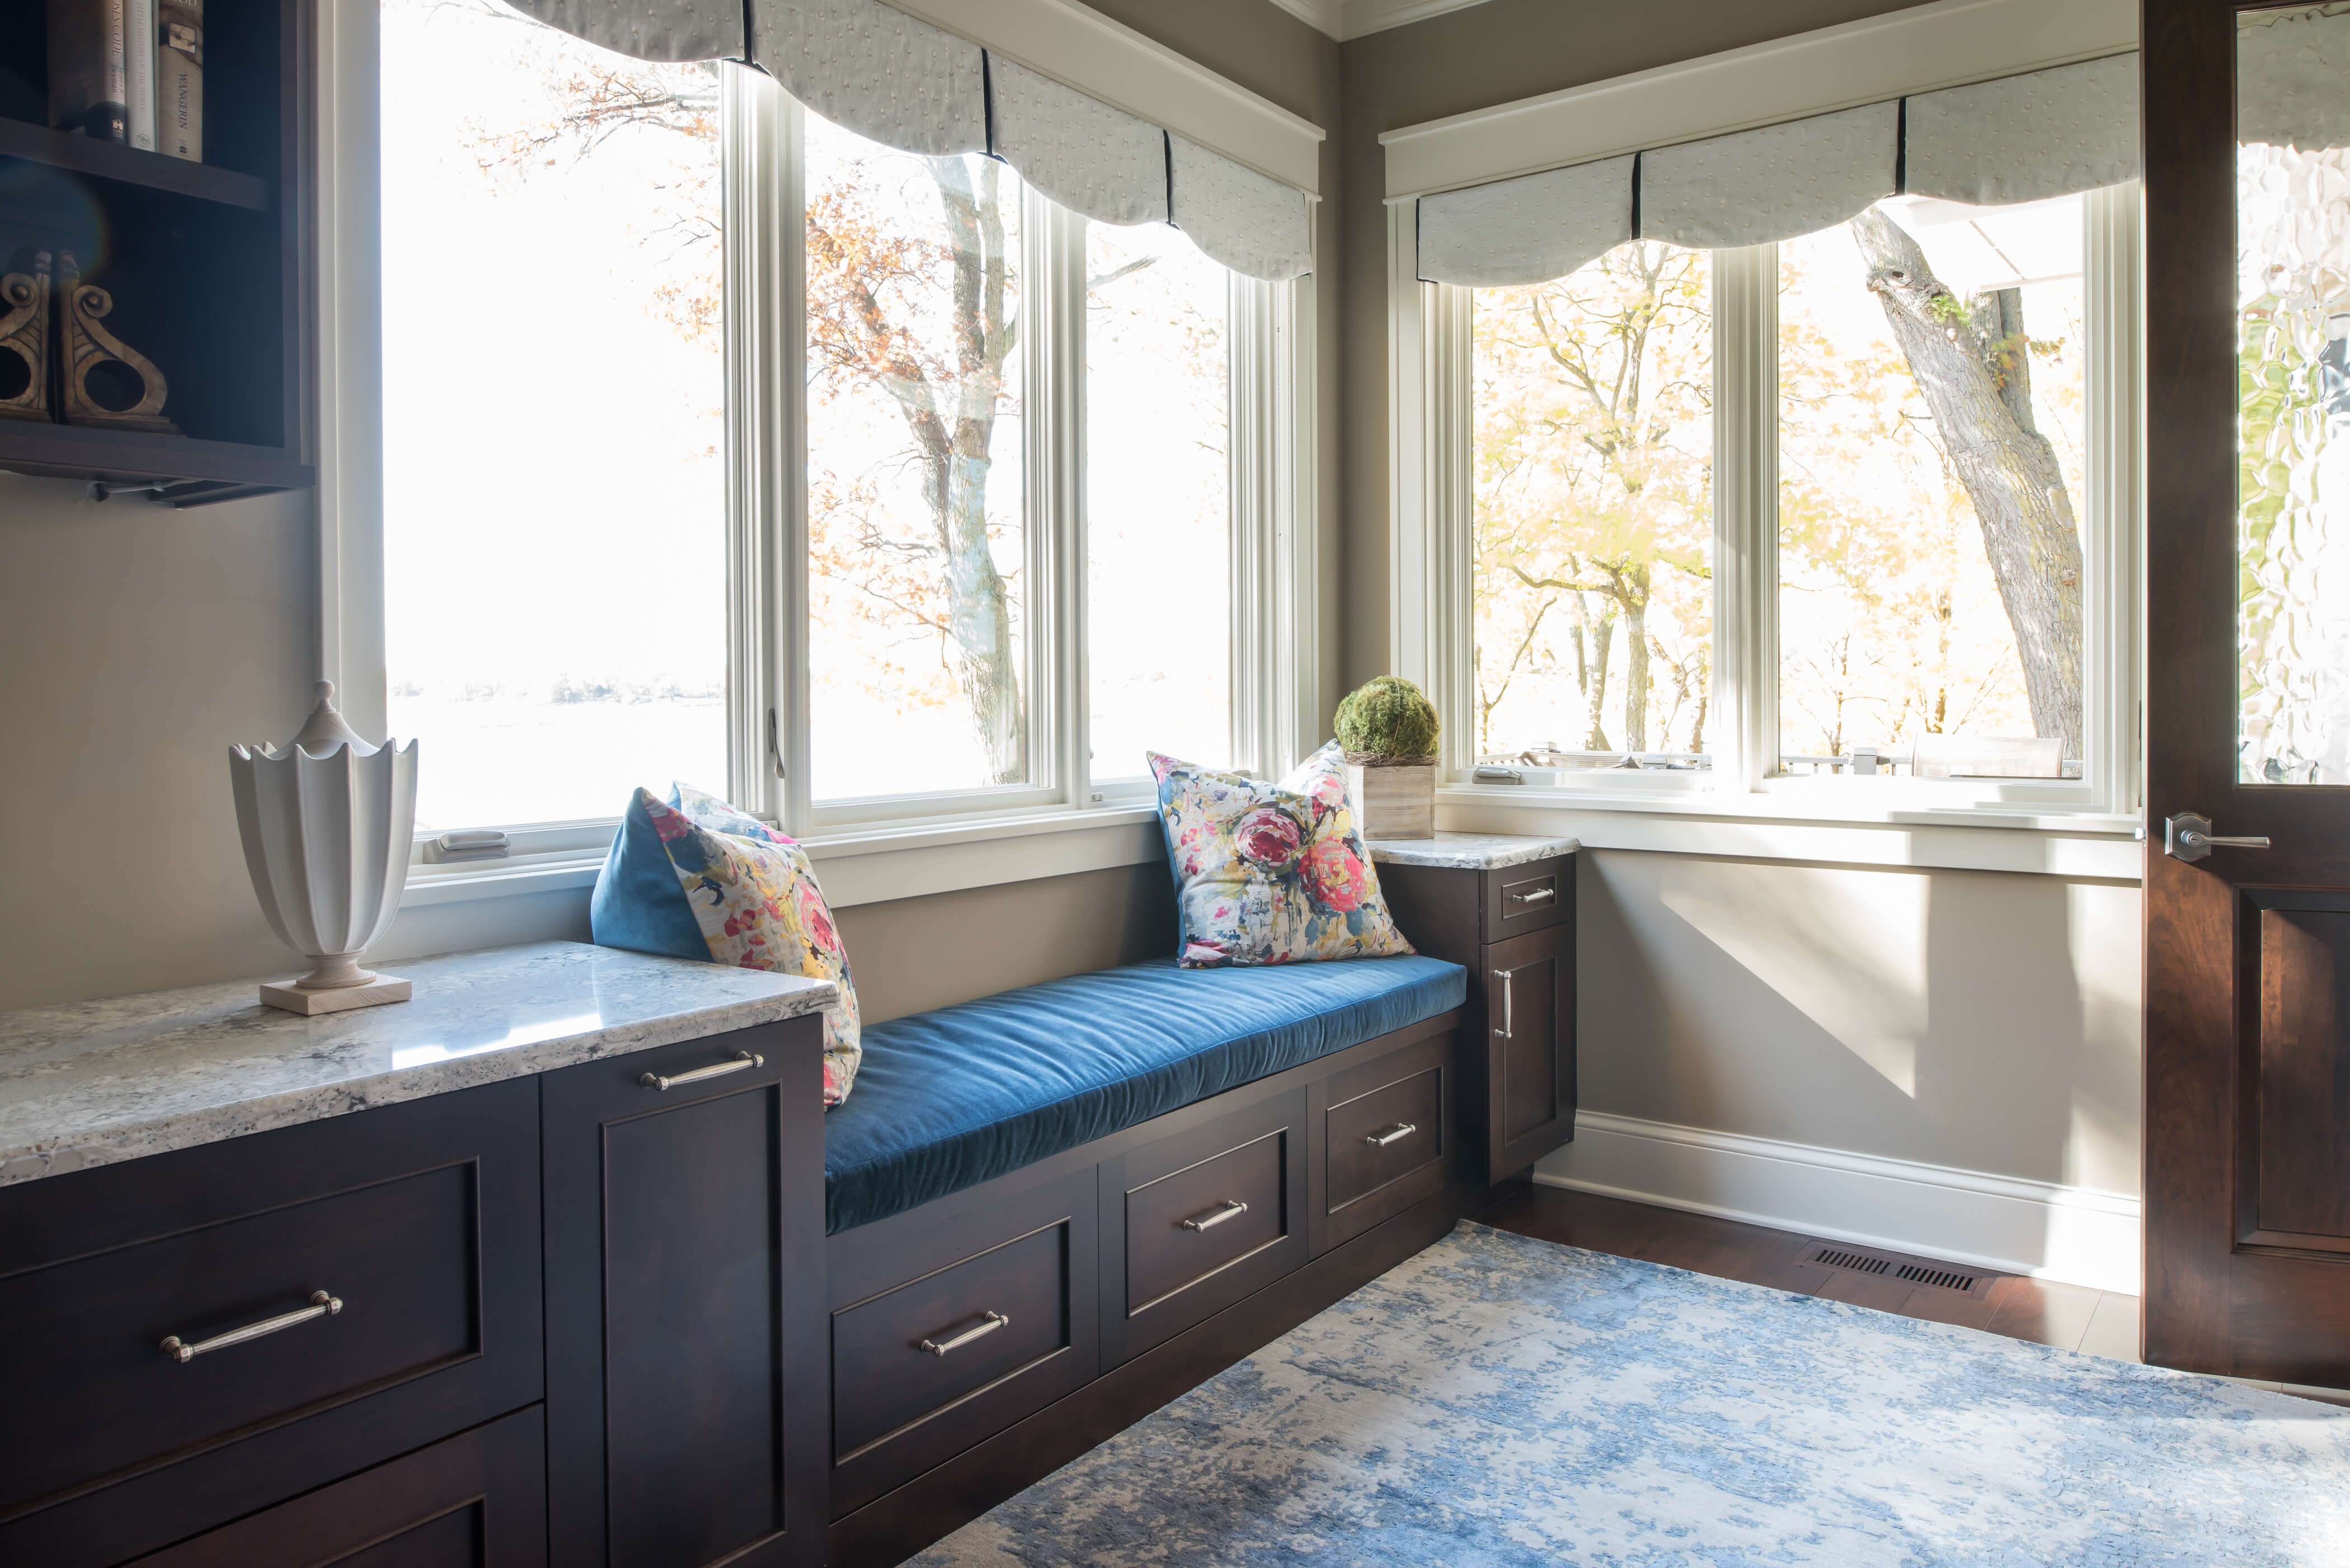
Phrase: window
pixel 553 397
pixel 914 485
pixel 1591 546
pixel 1931 491
pixel 1894 432
pixel 1157 502
pixel 724 446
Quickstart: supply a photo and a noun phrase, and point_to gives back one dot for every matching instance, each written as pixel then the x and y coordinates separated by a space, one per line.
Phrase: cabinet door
pixel 686 1371
pixel 1529 1047
pixel 473 1501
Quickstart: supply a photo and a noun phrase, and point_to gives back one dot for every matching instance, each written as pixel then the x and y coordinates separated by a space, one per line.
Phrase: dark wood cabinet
pixel 686 1372
pixel 420 1222
pixel 1512 927
pixel 1387 1138
pixel 475 1501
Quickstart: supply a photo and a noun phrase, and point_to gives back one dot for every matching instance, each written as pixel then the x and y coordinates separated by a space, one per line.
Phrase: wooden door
pixel 1529 1049
pixel 2247 1151
pixel 686 1373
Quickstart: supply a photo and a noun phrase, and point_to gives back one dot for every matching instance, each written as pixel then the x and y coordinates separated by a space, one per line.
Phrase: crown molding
pixel 1344 19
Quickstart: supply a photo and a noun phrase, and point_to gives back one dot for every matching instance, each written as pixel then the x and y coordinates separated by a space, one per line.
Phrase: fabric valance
pixel 1100 162
pixel 907 84
pixel 661 30
pixel 2026 138
pixel 1753 187
pixel 1246 220
pixel 2023 137
pixel 1524 230
pixel 889 77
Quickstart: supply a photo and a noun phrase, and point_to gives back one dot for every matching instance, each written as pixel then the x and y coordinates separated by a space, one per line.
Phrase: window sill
pixel 862 865
pixel 1778 826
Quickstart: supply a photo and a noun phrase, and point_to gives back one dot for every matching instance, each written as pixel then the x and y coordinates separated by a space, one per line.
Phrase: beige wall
pixel 1964 1019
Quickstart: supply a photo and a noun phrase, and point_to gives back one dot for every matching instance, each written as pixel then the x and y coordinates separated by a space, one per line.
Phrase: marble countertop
pixel 1470 851
pixel 93 1083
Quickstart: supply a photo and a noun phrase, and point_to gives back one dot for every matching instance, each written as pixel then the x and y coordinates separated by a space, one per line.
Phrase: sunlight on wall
pixel 1854 964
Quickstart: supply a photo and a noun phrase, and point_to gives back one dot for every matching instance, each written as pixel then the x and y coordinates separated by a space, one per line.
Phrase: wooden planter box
pixel 1393 802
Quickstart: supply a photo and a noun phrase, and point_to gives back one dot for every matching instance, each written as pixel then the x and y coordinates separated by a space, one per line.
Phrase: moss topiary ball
pixel 1387 721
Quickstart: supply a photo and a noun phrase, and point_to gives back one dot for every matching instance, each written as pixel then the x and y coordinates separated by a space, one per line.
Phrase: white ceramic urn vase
pixel 327 822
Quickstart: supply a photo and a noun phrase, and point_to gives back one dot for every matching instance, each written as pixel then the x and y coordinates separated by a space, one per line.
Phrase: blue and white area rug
pixel 1498 1400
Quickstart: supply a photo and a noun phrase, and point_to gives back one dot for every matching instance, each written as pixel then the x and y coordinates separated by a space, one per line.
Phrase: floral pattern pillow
pixel 1268 873
pixel 755 897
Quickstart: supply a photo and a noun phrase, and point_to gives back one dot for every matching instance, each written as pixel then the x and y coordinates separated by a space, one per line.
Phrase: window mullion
pixel 2112 563
pixel 1053 371
pixel 1251 401
pixel 1745 514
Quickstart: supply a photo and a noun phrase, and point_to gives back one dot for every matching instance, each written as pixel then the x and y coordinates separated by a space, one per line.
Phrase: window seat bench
pixel 949 1098
pixel 1053 1210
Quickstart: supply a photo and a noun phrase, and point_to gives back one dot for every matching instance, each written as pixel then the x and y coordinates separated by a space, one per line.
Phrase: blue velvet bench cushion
pixel 950 1098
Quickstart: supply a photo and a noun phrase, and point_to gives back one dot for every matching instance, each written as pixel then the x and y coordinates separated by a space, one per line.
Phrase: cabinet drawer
pixel 994 1325
pixel 1385 1140
pixel 1204 1217
pixel 179 1313
pixel 1527 897
pixel 476 1501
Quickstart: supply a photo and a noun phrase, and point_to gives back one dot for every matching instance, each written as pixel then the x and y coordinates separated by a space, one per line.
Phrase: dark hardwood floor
pixel 2073 1317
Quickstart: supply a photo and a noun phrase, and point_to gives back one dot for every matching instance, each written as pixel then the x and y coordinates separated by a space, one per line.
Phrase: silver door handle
pixel 988 1324
pixel 1400 1131
pixel 2188 837
pixel 1508 1030
pixel 1232 1210
pixel 741 1060
pixel 1539 896
pixel 322 1304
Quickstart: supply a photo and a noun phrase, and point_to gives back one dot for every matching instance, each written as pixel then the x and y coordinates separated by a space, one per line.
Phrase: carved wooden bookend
pixel 89 349
pixel 24 341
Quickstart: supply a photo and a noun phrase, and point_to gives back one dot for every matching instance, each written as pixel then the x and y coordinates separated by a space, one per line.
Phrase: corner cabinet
pixel 571 1319
pixel 1512 927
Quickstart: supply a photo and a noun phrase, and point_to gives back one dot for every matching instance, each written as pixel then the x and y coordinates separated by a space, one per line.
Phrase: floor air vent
pixel 1939 1278
pixel 1859 1263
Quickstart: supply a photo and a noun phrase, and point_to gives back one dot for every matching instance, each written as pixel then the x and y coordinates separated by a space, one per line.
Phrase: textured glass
pixel 2292 535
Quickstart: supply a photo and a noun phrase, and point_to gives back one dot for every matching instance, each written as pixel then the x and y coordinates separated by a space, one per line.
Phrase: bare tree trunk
pixel 1603 637
pixel 1972 367
pixel 979 601
pixel 1633 594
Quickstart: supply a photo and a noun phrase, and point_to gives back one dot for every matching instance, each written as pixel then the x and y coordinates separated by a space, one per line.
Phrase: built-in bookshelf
pixel 201 260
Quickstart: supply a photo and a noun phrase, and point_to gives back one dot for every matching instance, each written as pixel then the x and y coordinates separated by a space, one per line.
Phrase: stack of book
pixel 130 71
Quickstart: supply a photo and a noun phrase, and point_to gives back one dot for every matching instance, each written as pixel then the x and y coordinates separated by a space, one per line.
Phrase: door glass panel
pixel 2293 287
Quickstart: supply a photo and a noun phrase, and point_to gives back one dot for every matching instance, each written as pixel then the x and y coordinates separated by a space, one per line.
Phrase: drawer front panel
pixel 1527 897
pixel 476 1501
pixel 1385 1134
pixel 1179 1244
pixel 1024 1251
pixel 288 1221
pixel 1192 1223
pixel 908 1355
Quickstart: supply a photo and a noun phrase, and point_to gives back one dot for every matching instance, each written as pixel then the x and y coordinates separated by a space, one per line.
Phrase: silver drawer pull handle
pixel 741 1060
pixel 322 1304
pixel 1509 979
pixel 1395 1134
pixel 980 1330
pixel 1232 1210
pixel 1539 896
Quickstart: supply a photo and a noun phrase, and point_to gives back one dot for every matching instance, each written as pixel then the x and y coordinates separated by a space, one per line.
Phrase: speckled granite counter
pixel 94 1082
pixel 1470 851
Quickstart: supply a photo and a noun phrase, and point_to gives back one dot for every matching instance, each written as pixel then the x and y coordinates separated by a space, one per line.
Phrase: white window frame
pixel 766 706
pixel 1430 435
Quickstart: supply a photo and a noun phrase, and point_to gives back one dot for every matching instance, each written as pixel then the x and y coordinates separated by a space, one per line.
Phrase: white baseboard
pixel 2074 1234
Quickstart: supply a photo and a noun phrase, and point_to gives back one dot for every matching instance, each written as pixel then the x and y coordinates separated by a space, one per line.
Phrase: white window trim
pixel 901 845
pixel 1429 498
